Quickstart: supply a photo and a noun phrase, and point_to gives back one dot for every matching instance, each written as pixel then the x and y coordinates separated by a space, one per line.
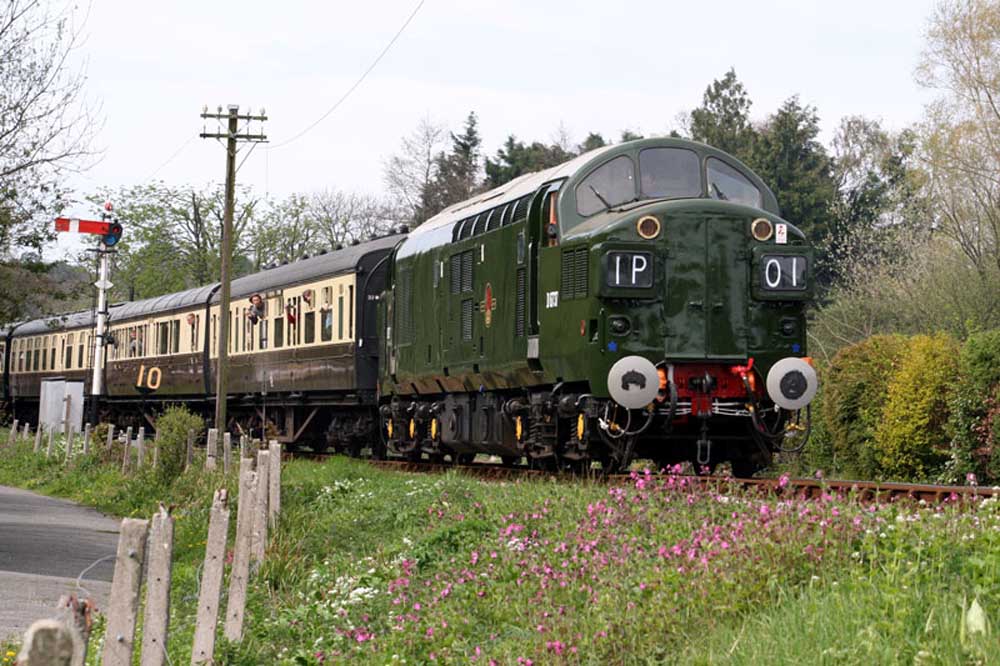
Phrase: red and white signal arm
pixel 76 225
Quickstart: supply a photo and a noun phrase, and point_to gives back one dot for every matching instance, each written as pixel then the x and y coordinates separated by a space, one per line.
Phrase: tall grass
pixel 376 567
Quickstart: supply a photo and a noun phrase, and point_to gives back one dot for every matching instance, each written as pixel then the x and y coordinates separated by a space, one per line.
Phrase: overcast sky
pixel 524 67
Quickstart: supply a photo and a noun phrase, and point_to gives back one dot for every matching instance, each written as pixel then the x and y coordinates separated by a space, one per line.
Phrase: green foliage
pixel 910 439
pixel 855 391
pixel 723 119
pixel 974 425
pixel 515 159
pixel 457 171
pixel 172 428
pixel 788 156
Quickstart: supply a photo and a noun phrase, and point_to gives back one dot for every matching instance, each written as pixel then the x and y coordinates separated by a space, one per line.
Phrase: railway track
pixel 813 488
pixel 866 490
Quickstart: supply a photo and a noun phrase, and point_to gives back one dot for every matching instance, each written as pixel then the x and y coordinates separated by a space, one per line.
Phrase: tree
pixel 344 217
pixel 723 119
pixel 173 236
pixel 283 231
pixel 409 175
pixel 45 129
pixel 458 171
pixel 960 136
pixel 593 141
pixel 880 192
pixel 788 157
pixel 515 159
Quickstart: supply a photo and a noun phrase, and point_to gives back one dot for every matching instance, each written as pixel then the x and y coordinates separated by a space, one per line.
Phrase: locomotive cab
pixel 701 289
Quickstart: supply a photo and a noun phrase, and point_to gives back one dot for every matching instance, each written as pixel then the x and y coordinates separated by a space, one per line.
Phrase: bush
pixel 974 425
pixel 910 440
pixel 172 427
pixel 855 389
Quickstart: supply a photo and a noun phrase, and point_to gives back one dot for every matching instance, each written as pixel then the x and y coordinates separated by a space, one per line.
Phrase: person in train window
pixel 256 311
pixel 133 343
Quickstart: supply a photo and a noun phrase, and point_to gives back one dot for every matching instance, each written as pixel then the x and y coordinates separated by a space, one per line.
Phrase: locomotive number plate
pixel 783 272
pixel 629 269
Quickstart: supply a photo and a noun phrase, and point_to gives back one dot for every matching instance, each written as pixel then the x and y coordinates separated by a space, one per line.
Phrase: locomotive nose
pixel 792 383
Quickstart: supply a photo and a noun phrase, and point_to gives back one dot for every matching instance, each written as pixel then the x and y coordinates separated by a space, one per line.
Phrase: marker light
pixel 648 227
pixel 761 229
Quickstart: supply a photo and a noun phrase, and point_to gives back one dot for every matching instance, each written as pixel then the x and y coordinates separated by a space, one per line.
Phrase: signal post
pixel 110 231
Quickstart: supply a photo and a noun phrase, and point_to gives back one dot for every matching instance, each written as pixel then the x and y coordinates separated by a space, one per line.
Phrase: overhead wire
pixel 357 83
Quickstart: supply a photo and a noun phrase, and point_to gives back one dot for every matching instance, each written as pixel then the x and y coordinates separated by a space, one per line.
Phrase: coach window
pixel 175 336
pixel 79 356
pixel 215 334
pixel 45 353
pixel 163 337
pixel 480 225
pixel 52 354
pixel 279 332
pixel 728 184
pixel 326 323
pixel 68 351
pixel 669 172
pixel 340 314
pixel 350 312
pixel 310 328
pixel 609 185
pixel 36 364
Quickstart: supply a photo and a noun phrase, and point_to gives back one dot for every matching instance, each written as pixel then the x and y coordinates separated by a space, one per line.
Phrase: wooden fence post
pixel 274 479
pixel 27 432
pixel 236 605
pixel 52 443
pixel 127 457
pixel 156 620
pixel 243 447
pixel 189 458
pixel 211 581
pixel 86 439
pixel 69 445
pixel 210 448
pixel 13 433
pixel 126 586
pixel 227 452
pixel 39 433
pixel 260 508
pixel 141 449
pixel 111 435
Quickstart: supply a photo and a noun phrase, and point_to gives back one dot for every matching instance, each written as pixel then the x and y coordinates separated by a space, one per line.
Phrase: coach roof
pixel 305 270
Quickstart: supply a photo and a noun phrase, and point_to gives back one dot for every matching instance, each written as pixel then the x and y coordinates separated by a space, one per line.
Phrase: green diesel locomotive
pixel 642 300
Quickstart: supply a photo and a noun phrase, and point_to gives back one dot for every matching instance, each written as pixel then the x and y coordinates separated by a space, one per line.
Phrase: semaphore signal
pixel 110 230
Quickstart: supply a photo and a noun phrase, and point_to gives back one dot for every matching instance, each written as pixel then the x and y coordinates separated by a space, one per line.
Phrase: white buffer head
pixel 792 383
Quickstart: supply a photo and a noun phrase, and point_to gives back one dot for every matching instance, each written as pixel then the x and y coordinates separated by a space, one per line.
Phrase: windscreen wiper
pixel 719 192
pixel 600 196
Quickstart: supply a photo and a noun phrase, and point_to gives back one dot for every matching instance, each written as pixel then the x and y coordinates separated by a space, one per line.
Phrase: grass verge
pixel 370 566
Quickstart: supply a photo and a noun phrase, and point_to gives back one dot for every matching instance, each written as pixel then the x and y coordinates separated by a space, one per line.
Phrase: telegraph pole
pixel 232 136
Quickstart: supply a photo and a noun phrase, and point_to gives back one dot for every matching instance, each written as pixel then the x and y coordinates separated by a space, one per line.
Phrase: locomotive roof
pixel 437 230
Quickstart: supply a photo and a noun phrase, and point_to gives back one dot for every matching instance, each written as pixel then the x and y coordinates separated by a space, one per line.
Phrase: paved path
pixel 45 544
